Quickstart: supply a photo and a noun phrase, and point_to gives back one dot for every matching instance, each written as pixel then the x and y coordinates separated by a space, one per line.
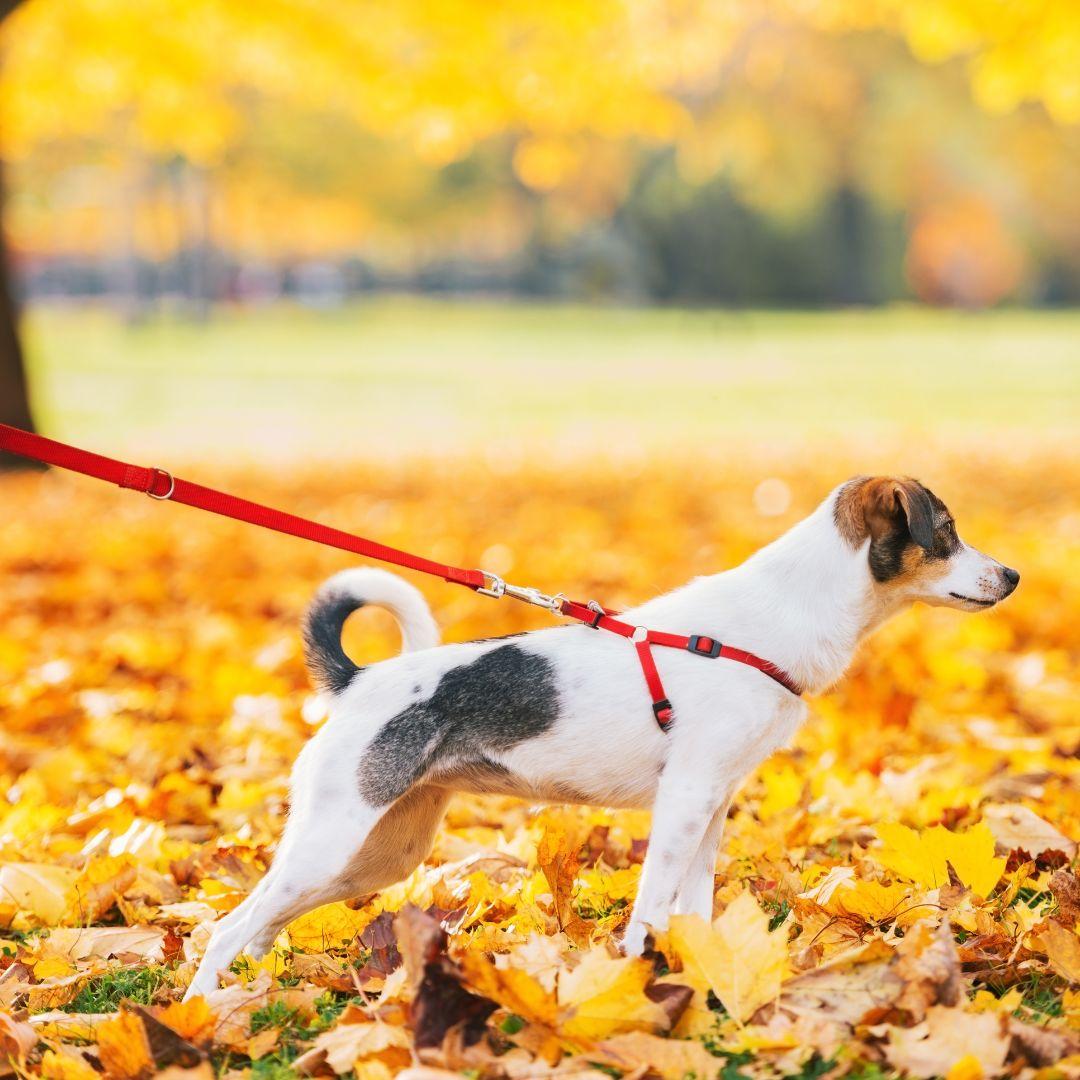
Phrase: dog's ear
pixel 917 507
pixel 879 507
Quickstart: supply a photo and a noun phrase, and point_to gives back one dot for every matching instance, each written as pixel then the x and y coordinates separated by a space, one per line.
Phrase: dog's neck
pixel 803 602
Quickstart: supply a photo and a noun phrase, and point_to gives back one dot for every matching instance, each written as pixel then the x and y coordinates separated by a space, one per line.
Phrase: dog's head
pixel 914 551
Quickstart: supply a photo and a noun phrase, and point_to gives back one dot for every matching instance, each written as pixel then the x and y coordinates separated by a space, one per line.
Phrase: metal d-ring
pixel 172 483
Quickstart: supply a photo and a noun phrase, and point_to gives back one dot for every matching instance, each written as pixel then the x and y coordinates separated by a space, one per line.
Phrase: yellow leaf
pixel 737 957
pixel 783 789
pixel 839 892
pixel 57 1066
pixel 512 988
pixel 924 856
pixel 53 967
pixel 967 1068
pixel 192 1020
pixel 43 891
pixel 327 927
pixel 1062 947
pixel 604 995
pixel 124 1048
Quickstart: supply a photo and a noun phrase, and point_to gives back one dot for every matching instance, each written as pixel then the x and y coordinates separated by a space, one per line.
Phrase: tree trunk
pixel 14 399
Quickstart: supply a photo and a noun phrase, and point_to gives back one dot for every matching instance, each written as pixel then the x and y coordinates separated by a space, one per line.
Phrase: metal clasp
pixel 527 594
pixel 497 588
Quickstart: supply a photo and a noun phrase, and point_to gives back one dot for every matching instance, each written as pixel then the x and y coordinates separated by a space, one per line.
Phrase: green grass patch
pixel 410 376
pixel 103 993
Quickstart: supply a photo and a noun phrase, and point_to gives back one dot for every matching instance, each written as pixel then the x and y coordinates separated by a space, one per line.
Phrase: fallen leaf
pixel 603 996
pixel 124 1048
pixel 558 856
pixel 928 964
pixel 41 890
pixel 672 1058
pixel 924 857
pixel 947 1037
pixel 1061 946
pixel 737 957
pixel 1016 827
pixel 347 1044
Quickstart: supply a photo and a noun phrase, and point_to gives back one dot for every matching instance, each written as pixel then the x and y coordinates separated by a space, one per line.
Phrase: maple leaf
pixel 737 957
pixel 603 996
pixel 326 927
pixel 124 1048
pixel 925 857
pixel 348 1044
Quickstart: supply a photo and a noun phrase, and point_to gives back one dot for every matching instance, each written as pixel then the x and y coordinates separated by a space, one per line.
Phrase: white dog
pixel 562 714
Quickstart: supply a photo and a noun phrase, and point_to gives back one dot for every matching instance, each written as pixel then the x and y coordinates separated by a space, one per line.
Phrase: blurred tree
pixel 429 132
pixel 14 398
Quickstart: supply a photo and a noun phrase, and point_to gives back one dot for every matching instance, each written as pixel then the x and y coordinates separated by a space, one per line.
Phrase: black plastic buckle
pixel 594 622
pixel 713 650
pixel 662 706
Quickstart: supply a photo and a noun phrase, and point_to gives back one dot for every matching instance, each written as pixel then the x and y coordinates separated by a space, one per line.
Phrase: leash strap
pixel 159 484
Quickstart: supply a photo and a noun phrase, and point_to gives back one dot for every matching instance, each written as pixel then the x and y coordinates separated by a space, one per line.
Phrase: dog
pixel 562 714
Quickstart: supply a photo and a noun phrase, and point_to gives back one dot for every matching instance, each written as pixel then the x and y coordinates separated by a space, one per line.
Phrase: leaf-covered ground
pixel 897 892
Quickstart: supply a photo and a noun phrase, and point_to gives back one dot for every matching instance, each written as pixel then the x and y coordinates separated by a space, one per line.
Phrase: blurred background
pixel 312 226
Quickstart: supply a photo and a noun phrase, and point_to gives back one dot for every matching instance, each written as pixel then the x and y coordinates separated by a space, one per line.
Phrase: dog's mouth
pixel 972 600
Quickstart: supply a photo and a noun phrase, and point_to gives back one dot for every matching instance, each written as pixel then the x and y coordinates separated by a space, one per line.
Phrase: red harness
pixel 159 484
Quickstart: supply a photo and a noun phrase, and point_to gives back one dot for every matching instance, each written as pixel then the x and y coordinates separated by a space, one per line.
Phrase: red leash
pixel 159 484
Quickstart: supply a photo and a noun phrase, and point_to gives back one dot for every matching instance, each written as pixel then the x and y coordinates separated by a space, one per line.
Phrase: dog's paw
pixel 633 939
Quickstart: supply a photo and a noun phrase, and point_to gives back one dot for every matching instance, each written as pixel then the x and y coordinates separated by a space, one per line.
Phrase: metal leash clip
pixel 527 594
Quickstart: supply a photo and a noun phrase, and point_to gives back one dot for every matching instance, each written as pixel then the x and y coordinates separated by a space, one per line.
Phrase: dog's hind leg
pixel 323 858
pixel 398 843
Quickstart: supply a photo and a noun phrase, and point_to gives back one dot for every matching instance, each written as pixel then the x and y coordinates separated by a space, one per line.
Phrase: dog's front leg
pixel 696 891
pixel 682 815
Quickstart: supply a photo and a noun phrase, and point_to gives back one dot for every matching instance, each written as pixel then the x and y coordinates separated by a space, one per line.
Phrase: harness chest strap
pixel 600 618
pixel 159 484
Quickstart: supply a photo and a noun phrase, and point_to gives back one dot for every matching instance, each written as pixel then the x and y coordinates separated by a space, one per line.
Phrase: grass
pixel 406 376
pixel 104 993
pixel 294 1033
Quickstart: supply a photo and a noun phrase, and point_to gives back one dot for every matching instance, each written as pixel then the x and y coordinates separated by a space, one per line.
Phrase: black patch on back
pixel 330 667
pixel 500 699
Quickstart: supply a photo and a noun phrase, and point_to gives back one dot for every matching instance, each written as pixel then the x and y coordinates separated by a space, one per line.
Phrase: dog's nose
pixel 1011 576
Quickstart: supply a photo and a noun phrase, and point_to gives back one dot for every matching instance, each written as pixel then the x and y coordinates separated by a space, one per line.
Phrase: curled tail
pixel 338 598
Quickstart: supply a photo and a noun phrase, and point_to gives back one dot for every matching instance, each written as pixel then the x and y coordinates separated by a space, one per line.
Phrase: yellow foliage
pixel 737 957
pixel 925 857
pixel 148 734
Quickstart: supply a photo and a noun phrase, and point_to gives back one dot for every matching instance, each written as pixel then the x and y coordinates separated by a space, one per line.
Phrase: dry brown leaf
pixel 558 856
pixel 1061 946
pixel 846 988
pixel 1016 827
pixel 946 1037
pixel 672 1058
pixel 17 1039
pixel 928 964
pixel 1065 887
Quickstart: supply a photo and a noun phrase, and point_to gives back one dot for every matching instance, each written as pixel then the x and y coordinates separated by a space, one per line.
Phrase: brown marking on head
pixel 910 530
